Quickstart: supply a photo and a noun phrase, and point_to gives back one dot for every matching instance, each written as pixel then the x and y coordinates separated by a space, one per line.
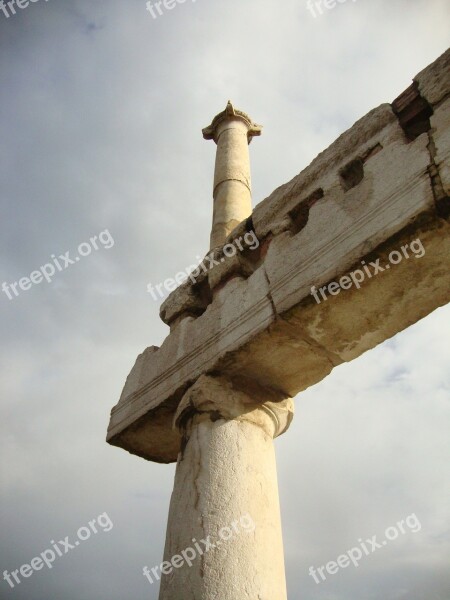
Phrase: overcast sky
pixel 101 110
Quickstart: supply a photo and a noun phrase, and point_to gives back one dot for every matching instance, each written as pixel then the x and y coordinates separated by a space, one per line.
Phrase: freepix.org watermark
pixel 12 6
pixel 248 241
pixel 154 8
pixel 58 549
pixel 49 270
pixel 365 548
pixel 187 556
pixel 357 277
pixel 316 5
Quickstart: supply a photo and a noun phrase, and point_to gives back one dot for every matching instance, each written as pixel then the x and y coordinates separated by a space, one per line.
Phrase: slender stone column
pixel 224 512
pixel 232 130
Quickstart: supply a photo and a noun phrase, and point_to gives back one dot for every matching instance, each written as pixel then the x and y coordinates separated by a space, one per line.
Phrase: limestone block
pixel 440 123
pixel 345 226
pixel 189 298
pixel 240 310
pixel 282 359
pixel 134 379
pixel 271 215
pixel 229 266
pixel 357 320
pixel 434 80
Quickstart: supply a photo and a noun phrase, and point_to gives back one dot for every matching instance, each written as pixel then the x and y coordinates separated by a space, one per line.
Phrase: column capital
pixel 231 114
pixel 215 398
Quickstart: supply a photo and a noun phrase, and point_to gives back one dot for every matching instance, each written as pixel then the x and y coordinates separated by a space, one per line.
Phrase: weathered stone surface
pixel 188 299
pixel 219 398
pixel 344 226
pixel 371 192
pixel 357 320
pixel 239 311
pixel 440 123
pixel 232 130
pixel 228 267
pixel 242 264
pixel 272 215
pixel 226 477
pixel 282 359
pixel 220 264
pixel 434 80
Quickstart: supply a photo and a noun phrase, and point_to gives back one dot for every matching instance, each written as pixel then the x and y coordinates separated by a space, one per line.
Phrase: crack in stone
pixel 442 201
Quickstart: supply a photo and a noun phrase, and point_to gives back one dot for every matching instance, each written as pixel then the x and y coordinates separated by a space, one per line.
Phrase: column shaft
pixel 232 130
pixel 232 183
pixel 226 494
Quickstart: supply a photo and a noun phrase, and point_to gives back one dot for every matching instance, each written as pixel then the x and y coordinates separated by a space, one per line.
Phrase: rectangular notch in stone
pixel 413 112
pixel 352 174
pixel 299 215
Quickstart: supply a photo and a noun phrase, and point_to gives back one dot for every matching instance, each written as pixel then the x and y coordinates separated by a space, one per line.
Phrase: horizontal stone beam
pixel 380 191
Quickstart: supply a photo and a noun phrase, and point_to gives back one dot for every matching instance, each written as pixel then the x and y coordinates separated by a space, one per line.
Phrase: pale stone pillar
pixel 226 487
pixel 232 130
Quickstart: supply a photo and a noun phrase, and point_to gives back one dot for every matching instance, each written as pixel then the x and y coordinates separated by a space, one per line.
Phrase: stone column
pixel 224 513
pixel 232 130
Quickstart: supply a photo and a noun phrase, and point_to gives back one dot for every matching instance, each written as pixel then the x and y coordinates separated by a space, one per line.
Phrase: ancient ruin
pixel 261 325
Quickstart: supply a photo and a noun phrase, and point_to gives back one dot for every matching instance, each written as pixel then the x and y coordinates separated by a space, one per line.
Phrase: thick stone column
pixel 232 130
pixel 225 505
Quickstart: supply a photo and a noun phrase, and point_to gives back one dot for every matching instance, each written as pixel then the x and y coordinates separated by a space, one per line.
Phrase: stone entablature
pixel 382 183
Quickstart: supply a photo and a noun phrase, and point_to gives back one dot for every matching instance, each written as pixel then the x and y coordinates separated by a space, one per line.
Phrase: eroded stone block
pixel 434 80
pixel 440 123
pixel 344 226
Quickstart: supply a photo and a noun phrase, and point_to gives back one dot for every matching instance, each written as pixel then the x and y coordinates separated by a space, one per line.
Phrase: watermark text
pixel 58 549
pixel 365 548
pixel 356 278
pixel 188 555
pixel 60 263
